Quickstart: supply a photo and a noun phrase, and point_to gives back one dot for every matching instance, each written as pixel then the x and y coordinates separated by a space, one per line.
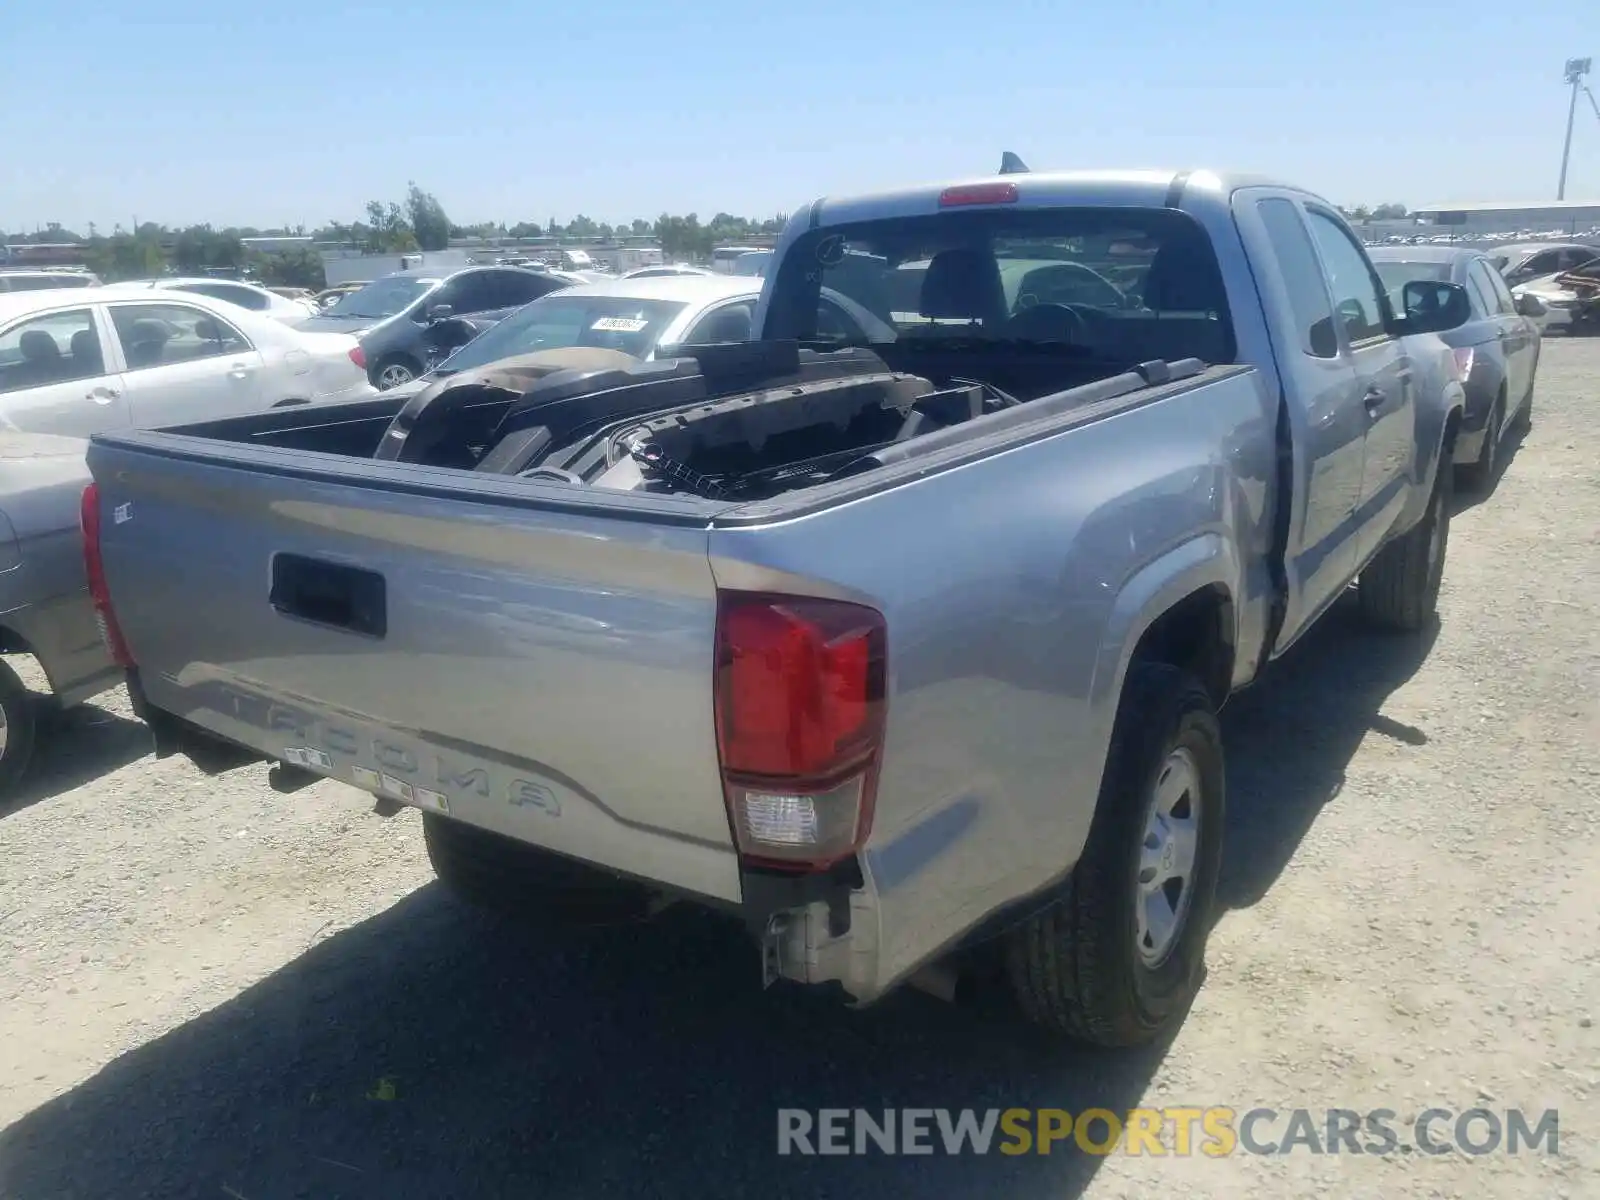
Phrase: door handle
pixel 103 395
pixel 240 370
pixel 1375 399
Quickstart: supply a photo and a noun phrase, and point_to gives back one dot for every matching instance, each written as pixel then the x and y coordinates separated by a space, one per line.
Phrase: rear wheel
pixel 510 878
pixel 18 729
pixel 1117 960
pixel 393 372
pixel 1399 590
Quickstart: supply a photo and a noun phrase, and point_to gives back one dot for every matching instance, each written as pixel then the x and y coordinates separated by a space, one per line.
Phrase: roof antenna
pixel 1010 164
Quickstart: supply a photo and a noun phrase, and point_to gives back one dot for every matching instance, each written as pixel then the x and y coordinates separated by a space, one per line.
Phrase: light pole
pixel 1576 69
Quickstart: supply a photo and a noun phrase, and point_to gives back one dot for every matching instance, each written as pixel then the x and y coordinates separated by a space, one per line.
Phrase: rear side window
pixel 162 335
pixel 53 348
pixel 1503 298
pixel 1302 276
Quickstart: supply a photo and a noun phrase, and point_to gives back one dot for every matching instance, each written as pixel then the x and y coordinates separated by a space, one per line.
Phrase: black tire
pixel 1479 476
pixel 19 732
pixel 1399 590
pixel 512 879
pixel 391 367
pixel 1078 968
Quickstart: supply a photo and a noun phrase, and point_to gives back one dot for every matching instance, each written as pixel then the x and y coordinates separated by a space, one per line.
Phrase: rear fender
pixel 1205 564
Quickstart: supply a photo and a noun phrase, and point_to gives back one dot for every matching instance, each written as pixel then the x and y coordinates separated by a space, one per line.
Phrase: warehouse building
pixel 1552 218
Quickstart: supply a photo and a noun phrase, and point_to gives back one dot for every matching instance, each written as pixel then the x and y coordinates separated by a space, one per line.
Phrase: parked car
pixel 44 598
pixel 390 315
pixel 901 649
pixel 1524 261
pixel 644 318
pixel 661 270
pixel 44 280
pixel 233 291
pixel 1570 299
pixel 77 362
pixel 1497 350
pixel 333 295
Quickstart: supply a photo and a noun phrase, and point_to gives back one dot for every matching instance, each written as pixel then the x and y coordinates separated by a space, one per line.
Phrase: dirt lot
pixel 211 990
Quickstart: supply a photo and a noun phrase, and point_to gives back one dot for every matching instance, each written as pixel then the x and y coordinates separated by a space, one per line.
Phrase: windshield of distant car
pixel 383 297
pixel 561 320
pixel 1123 285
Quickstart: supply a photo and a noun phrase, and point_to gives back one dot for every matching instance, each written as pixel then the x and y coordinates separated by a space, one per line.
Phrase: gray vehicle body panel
pixel 44 597
pixel 564 637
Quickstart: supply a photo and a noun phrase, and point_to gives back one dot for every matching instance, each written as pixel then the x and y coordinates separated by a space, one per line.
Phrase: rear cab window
pixel 1095 285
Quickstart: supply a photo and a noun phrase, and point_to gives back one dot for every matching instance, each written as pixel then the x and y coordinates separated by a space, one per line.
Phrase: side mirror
pixel 1430 307
pixel 1530 306
pixel 440 312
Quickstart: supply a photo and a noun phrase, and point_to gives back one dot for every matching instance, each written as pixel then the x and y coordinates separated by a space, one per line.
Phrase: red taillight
pixel 1463 357
pixel 94 567
pixel 978 193
pixel 358 356
pixel 799 693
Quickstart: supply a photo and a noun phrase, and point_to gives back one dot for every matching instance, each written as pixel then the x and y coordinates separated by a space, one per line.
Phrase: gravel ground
pixel 212 990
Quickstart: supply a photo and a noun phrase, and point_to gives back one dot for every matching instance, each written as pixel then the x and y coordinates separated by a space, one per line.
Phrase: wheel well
pixel 12 642
pixel 1452 429
pixel 1196 635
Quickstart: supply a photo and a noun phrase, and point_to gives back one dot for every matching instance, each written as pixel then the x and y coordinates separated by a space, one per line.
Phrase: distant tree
pixel 582 227
pixel 300 266
pixel 387 231
pixel 1389 212
pixel 429 223
pixel 641 228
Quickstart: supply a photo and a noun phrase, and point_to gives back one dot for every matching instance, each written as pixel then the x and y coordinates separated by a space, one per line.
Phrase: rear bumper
pixel 220 724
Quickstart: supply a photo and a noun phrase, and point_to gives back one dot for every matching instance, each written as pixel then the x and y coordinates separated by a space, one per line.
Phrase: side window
pixel 160 335
pixel 1574 258
pixel 1494 288
pixel 1302 274
pixel 1483 297
pixel 516 288
pixel 1544 263
pixel 54 348
pixel 730 323
pixel 1357 295
pixel 470 293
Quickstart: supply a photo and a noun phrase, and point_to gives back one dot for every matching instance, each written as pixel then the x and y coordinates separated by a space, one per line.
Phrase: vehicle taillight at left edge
pixel 358 356
pixel 94 568
pixel 800 703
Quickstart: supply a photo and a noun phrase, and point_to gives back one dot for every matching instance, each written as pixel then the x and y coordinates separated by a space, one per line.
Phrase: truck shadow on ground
pixel 430 1052
pixel 75 747
pixel 1290 738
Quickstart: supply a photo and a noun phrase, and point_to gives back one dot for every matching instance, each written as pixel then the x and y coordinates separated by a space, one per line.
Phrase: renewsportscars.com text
pixel 1211 1132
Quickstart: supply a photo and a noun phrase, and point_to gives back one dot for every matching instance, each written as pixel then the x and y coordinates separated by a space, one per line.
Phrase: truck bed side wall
pixel 1016 588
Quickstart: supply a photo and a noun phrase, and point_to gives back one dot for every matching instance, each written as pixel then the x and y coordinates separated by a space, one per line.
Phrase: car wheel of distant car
pixel 1479 476
pixel 393 372
pixel 517 880
pixel 1117 960
pixel 17 729
pixel 1399 590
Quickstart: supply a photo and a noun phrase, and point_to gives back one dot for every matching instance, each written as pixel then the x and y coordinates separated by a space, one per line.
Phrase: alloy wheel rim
pixel 1168 854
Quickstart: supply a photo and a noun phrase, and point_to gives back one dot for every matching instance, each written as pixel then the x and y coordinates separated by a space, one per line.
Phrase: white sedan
pixel 245 295
pixel 98 359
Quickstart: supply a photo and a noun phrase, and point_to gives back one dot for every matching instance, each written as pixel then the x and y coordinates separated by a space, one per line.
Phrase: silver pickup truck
pixel 906 649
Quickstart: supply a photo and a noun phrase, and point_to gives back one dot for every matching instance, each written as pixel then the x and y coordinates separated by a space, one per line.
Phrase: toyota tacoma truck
pixel 906 649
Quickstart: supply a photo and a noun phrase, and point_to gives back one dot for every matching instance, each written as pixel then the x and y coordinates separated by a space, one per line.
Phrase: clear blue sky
pixel 287 111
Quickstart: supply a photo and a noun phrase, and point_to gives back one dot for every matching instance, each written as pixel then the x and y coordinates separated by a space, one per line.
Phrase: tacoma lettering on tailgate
pixel 321 743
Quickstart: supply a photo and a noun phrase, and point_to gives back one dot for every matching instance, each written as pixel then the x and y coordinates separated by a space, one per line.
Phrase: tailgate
pixel 538 669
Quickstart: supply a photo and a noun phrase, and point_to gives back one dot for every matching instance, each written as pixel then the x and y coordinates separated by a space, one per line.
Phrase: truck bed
pixel 535 656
